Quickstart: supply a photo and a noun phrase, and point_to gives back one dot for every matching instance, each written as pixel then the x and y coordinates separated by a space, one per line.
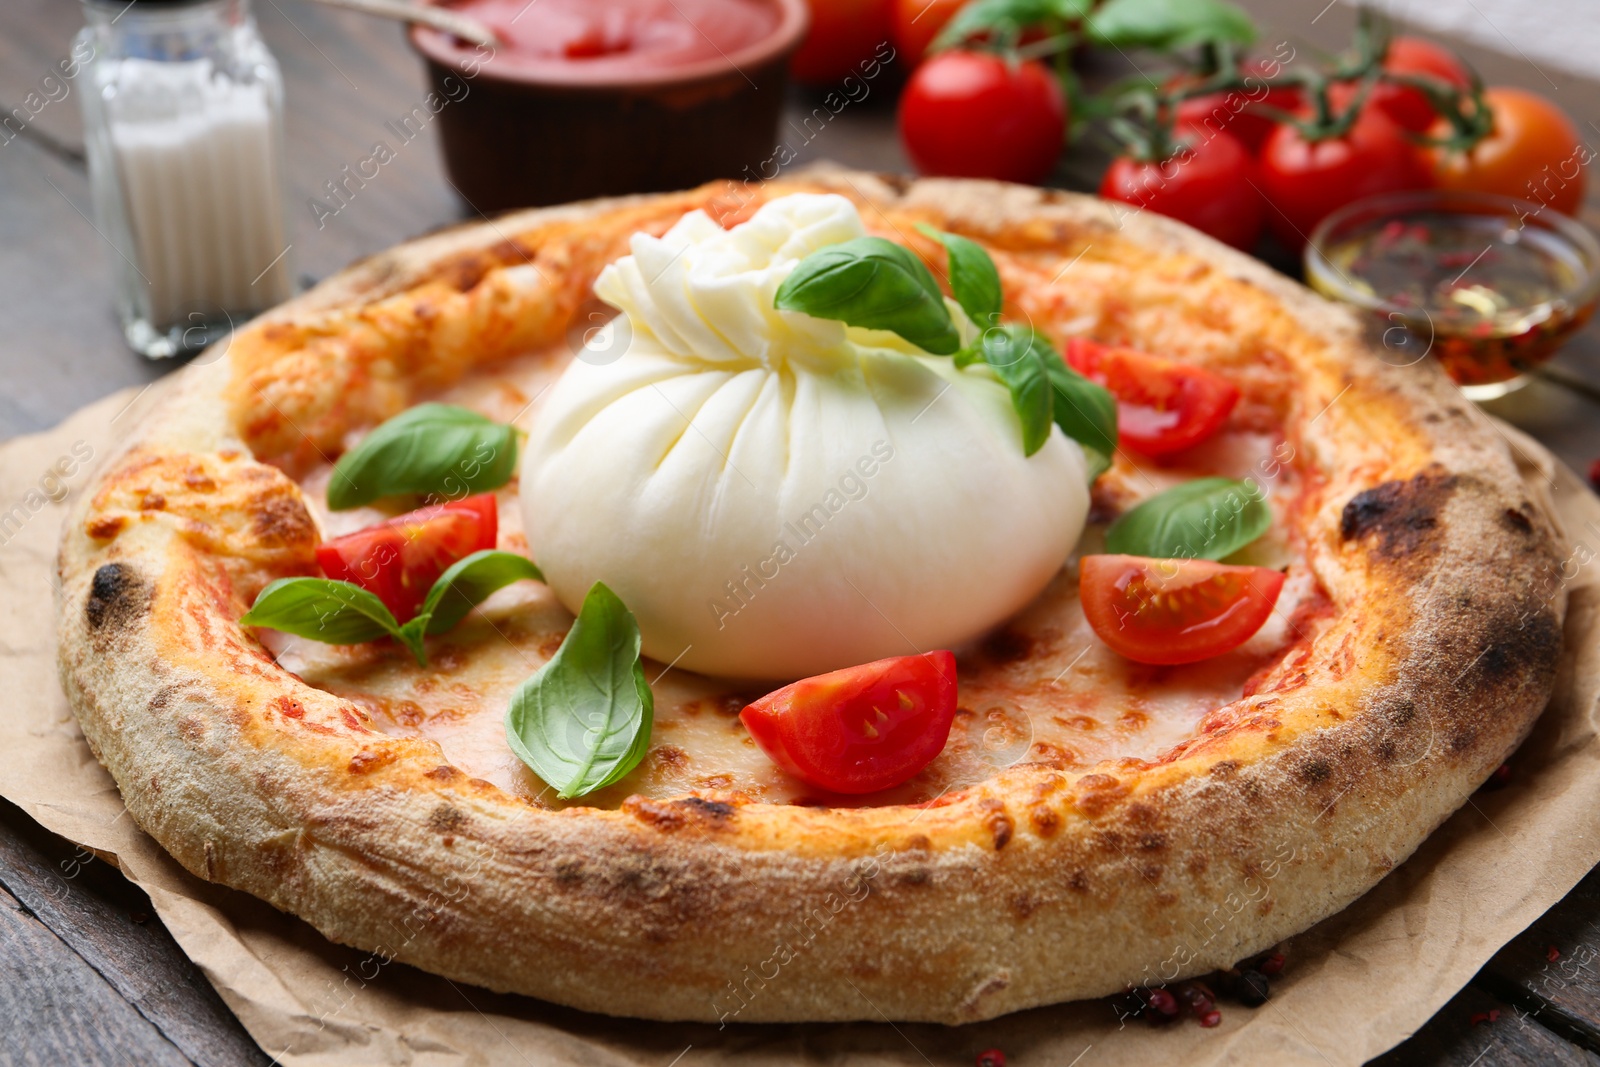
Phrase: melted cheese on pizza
pixel 1041 689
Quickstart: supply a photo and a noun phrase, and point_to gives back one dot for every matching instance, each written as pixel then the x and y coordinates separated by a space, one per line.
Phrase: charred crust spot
pixel 1045 821
pixel 1518 521
pixel 191 729
pixel 210 852
pixel 1001 827
pixel 669 816
pixel 1078 882
pixel 1097 793
pixel 105 527
pixel 447 819
pixel 1400 515
pixel 1152 842
pixel 282 522
pixel 898 182
pixel 1531 642
pixel 117 598
pixel 442 773
pixel 153 502
pixel 368 760
pixel 1315 770
pixel 1023 905
pixel 1008 646
pixel 1224 769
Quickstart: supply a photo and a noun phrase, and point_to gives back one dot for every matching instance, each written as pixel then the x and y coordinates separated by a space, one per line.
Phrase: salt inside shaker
pixel 183 122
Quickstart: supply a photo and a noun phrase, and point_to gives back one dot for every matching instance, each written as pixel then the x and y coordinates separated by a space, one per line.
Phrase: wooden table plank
pixel 59 1011
pixel 110 925
pixel 1478 1030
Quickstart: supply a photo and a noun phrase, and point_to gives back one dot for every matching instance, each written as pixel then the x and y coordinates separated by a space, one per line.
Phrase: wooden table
pixel 87 974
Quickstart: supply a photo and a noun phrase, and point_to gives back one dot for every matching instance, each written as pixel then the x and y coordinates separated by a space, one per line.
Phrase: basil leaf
pixel 974 281
pixel 583 720
pixel 1169 24
pixel 1006 18
pixel 1208 518
pixel 1086 412
pixel 875 284
pixel 1014 354
pixel 468 583
pixel 334 612
pixel 432 448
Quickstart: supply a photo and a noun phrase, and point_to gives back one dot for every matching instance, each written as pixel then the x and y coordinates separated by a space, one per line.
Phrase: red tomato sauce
pixel 622 36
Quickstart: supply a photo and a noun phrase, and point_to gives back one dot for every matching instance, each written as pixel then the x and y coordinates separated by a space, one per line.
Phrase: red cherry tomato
pixel 861 729
pixel 843 35
pixel 1533 153
pixel 1162 405
pixel 1210 183
pixel 1170 611
pixel 977 115
pixel 1408 107
pixel 1305 181
pixel 918 22
pixel 399 560
pixel 1236 110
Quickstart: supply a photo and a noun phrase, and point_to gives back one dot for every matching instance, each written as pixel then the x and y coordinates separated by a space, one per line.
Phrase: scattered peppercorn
pixel 1211 1018
pixel 1246 985
pixel 1594 475
pixel 1499 779
pixel 139 917
pixel 1480 1017
pixel 1271 964
pixel 1553 954
pixel 991 1057
pixel 1162 1003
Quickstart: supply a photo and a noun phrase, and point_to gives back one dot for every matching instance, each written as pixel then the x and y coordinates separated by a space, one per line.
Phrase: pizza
pixel 841 598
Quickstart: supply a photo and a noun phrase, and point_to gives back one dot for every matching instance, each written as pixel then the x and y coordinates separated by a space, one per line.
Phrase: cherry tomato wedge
pixel 1170 611
pixel 1162 405
pixel 399 560
pixel 861 729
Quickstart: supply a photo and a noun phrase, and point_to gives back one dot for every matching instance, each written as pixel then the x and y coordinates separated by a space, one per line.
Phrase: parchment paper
pixel 1356 985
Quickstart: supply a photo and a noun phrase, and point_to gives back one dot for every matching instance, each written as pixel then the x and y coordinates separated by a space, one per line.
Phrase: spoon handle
pixel 438 18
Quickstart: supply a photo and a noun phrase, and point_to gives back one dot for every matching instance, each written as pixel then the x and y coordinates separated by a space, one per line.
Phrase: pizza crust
pixel 1038 886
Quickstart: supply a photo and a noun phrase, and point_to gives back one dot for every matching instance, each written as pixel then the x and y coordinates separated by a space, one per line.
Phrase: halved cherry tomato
pixel 1533 153
pixel 399 560
pixel 861 729
pixel 1170 611
pixel 1208 183
pixel 1162 405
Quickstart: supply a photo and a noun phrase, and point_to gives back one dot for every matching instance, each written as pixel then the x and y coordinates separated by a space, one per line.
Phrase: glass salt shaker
pixel 183 120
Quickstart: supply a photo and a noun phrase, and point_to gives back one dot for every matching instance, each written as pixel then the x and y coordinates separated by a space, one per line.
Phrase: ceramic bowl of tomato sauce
pixel 585 98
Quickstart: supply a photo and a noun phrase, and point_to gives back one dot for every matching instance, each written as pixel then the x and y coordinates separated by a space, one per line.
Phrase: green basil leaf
pixel 583 720
pixel 1208 518
pixel 1169 24
pixel 438 449
pixel 468 583
pixel 974 281
pixel 333 612
pixel 875 284
pixel 1006 18
pixel 1086 412
pixel 1014 354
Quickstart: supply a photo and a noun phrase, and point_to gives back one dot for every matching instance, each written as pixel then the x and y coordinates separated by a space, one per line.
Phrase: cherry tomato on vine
pixel 1171 611
pixel 1408 107
pixel 978 115
pixel 399 560
pixel 1163 405
pixel 861 729
pixel 843 34
pixel 1209 183
pixel 918 22
pixel 1532 153
pixel 1305 181
pixel 1236 110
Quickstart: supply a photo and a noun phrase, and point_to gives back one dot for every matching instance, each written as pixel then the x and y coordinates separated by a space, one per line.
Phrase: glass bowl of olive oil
pixel 1487 285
